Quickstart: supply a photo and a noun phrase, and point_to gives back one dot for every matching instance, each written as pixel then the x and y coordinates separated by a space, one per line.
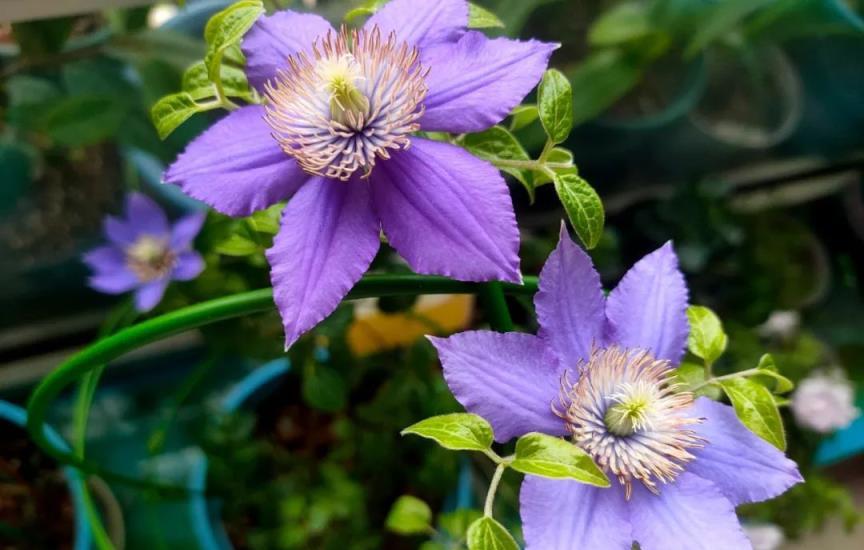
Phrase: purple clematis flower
pixel 145 253
pixel 341 109
pixel 601 372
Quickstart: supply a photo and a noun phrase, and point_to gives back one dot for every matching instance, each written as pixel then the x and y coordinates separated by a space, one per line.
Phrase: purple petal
pixel 422 23
pixel 115 282
pixel 570 302
pixel 476 82
pixel 272 39
pixel 447 213
pixel 105 259
pixel 328 238
pixel 743 466
pixel 150 294
pixel 185 230
pixel 118 231
pixel 145 216
pixel 689 514
pixel 189 265
pixel 562 514
pixel 236 166
pixel 647 310
pixel 509 379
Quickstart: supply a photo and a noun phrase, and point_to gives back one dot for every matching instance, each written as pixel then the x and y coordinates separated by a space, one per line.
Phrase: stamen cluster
pixel 150 258
pixel 357 96
pixel 628 413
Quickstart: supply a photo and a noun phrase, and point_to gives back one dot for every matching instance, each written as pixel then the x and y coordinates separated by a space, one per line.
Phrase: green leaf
pixel 583 207
pixel 196 82
pixel 623 23
pixel 497 143
pixel 488 534
pixel 409 516
pixel 226 28
pixel 522 116
pixel 267 220
pixel 237 245
pixel 457 431
pixel 692 376
pixel 707 339
pixel 547 456
pixel 367 8
pixel 171 111
pixel 558 155
pixel 768 368
pixel 457 522
pixel 555 103
pixel 324 388
pixel 77 121
pixel 756 408
pixel 481 18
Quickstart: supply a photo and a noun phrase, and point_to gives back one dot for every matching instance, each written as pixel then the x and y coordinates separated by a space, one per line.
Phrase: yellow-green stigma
pixel 348 105
pixel 627 417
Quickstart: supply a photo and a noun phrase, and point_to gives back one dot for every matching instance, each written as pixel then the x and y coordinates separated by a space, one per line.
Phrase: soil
pixel 36 510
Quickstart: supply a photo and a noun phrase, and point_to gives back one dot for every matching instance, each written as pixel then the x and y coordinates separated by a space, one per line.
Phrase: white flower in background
pixel 780 324
pixel 764 536
pixel 824 402
pixel 160 13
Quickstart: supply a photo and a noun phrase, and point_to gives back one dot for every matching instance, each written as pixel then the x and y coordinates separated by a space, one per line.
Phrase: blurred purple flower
pixel 601 370
pixel 342 109
pixel 145 252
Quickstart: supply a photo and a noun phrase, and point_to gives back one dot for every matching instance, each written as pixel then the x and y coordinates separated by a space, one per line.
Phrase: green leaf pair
pixel 209 84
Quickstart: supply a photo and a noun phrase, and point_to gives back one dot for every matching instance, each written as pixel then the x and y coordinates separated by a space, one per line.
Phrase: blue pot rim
pixel 209 533
pixel 14 414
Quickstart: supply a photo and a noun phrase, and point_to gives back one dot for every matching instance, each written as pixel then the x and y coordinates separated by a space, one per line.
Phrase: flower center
pixel 628 413
pixel 340 109
pixel 150 258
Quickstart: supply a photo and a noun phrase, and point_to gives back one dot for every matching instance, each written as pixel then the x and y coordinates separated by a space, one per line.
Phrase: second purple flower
pixel 342 109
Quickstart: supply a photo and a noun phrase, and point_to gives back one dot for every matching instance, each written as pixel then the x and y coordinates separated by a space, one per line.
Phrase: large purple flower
pixel 145 253
pixel 600 371
pixel 342 108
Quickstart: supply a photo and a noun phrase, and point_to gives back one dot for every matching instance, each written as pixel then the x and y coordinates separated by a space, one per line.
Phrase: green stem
pixel 493 488
pixel 108 349
pixel 740 374
pixel 492 294
pixel 531 164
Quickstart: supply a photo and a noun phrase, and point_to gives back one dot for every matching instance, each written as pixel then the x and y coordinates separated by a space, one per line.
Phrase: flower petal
pixel 743 466
pixel 509 379
pixel 119 231
pixel 143 215
pixel 105 259
pixel 647 309
pixel 328 238
pixel 236 166
pixel 688 514
pixel 562 514
pixel 273 38
pixel 447 213
pixel 189 265
pixel 115 282
pixel 476 82
pixel 185 230
pixel 570 303
pixel 422 23
pixel 149 295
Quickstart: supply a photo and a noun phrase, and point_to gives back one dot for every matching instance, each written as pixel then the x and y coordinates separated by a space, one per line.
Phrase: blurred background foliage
pixel 733 127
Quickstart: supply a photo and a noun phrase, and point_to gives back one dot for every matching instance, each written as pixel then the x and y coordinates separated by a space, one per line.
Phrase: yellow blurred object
pixel 373 330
